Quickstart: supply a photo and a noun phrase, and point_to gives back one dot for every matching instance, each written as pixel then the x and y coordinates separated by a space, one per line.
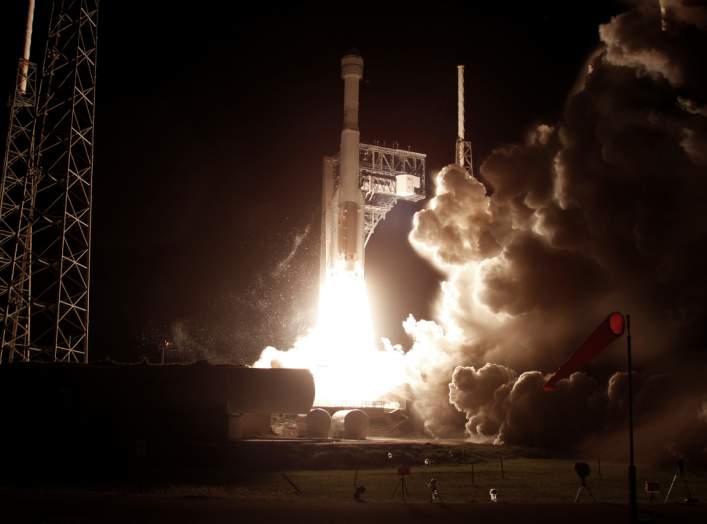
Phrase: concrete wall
pixel 120 413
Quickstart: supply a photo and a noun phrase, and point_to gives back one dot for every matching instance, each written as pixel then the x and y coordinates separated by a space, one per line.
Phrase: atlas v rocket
pixel 361 185
pixel 342 206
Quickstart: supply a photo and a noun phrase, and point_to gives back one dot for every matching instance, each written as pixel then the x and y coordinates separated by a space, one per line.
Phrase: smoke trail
pixel 284 264
pixel 603 210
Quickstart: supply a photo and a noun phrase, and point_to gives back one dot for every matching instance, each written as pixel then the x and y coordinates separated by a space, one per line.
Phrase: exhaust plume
pixel 601 211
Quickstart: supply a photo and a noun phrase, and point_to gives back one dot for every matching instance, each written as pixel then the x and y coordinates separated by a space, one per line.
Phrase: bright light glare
pixel 340 351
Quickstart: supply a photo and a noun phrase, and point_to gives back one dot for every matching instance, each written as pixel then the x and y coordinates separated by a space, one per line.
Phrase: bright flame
pixel 340 351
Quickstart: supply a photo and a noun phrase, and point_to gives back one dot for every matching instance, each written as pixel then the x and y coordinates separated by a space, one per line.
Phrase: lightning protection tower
pixel 462 154
pixel 45 193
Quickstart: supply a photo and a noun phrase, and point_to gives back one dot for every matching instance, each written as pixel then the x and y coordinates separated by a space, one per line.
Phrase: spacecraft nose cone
pixel 352 65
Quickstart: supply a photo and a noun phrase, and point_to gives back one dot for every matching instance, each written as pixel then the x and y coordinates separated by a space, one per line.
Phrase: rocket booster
pixel 349 250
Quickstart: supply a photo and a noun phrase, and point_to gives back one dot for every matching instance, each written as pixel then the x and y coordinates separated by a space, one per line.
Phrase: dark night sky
pixel 211 125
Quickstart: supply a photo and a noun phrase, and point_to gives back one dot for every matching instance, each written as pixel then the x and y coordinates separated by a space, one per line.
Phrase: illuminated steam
pixel 340 351
pixel 602 211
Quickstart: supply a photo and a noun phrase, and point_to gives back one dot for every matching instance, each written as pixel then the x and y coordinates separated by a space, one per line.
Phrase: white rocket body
pixel 349 248
pixel 343 201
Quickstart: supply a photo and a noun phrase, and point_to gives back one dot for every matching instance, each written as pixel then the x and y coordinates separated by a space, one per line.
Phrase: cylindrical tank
pixel 349 423
pixel 269 390
pixel 318 423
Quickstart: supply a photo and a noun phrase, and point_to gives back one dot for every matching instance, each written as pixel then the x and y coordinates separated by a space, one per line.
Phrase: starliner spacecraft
pixel 361 184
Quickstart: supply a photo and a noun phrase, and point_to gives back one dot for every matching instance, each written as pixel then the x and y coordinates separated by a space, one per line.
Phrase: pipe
pixel 633 504
pixel 460 102
pixel 24 69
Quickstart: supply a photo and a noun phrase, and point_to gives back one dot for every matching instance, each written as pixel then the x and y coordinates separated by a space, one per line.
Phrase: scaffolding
pixel 16 194
pixel 45 238
pixel 386 176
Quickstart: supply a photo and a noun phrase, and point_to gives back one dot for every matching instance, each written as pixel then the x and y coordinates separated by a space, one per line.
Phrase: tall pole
pixel 633 505
pixel 460 117
pixel 462 150
pixel 460 102
pixel 24 71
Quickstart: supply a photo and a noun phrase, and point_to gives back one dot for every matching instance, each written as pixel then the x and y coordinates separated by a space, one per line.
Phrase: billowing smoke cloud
pixel 602 211
pixel 482 394
pixel 504 408
pixel 513 409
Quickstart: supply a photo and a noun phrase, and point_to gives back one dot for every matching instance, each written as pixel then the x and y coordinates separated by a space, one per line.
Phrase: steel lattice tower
pixel 16 190
pixel 46 297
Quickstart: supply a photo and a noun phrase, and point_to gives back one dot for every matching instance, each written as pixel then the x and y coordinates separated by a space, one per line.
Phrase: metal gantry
pixel 463 155
pixel 386 176
pixel 46 298
pixel 16 194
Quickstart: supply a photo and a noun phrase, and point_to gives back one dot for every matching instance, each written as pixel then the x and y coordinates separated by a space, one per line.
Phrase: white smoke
pixel 589 215
pixel 504 408
pixel 596 213
pixel 482 395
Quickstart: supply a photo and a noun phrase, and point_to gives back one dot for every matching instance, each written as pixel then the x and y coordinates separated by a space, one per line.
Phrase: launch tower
pixel 45 192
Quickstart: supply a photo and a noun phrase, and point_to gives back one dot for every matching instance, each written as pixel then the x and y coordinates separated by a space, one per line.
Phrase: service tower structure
pixel 45 190
pixel 361 184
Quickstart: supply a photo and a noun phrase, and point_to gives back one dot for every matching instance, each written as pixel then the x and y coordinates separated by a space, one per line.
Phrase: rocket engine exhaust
pixel 340 350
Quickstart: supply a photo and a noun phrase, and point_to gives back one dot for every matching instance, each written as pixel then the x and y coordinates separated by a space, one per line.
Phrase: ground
pixel 109 508
pixel 531 489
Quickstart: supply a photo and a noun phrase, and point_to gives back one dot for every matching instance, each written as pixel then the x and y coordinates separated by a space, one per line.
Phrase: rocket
pixel 349 245
pixel 342 204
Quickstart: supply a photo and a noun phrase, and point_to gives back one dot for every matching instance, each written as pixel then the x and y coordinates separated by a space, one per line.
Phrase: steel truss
pixel 56 257
pixel 462 155
pixel 378 168
pixel 382 164
pixel 16 194
pixel 374 212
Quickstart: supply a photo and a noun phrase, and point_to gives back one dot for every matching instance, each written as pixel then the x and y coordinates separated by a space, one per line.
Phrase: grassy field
pixel 531 489
pixel 524 480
